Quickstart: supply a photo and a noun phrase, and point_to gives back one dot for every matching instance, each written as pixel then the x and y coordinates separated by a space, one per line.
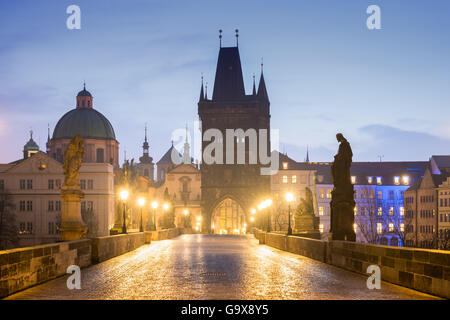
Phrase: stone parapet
pixel 25 267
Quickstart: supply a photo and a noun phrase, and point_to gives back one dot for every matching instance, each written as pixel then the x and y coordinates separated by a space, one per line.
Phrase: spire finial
pixel 31 134
pixel 220 37
pixel 84 85
pixel 146 132
pixel 237 37
pixel 262 64
pixel 48 130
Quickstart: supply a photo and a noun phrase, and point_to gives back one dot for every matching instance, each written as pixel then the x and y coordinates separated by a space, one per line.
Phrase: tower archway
pixel 228 217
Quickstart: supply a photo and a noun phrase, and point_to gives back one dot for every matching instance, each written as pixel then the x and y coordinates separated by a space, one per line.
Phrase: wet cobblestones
pixel 215 267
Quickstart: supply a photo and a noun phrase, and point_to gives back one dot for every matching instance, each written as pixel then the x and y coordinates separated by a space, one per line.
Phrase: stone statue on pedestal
pixel 306 224
pixel 342 199
pixel 72 225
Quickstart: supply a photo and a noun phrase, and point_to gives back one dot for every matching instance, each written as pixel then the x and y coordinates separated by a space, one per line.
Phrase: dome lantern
pixel 84 98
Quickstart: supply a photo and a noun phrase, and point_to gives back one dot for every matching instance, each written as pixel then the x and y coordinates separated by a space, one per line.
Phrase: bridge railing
pixel 420 269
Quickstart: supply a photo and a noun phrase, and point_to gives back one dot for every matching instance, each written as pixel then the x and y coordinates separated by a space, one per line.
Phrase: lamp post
pixel 166 208
pixel 124 197
pixel 289 199
pixel 154 207
pixel 185 212
pixel 268 204
pixel 141 202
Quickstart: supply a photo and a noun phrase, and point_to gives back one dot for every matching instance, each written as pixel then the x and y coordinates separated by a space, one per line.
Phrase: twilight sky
pixel 387 90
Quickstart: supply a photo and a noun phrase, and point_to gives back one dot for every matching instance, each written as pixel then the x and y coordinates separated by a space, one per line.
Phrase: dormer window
pixel 353 178
pixel 405 180
pixel 369 180
pixel 285 165
pixel 397 180
pixel 378 180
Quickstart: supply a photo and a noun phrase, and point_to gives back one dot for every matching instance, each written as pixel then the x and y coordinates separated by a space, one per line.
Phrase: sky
pixel 386 90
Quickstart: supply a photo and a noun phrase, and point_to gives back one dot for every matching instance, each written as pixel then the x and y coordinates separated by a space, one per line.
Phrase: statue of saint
pixel 73 156
pixel 340 168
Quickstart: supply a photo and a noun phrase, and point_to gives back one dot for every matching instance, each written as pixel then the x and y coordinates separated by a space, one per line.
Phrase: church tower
pixel 237 186
pixel 146 166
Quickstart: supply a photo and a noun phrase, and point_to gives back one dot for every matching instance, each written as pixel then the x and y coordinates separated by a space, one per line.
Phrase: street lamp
pixel 124 197
pixel 289 199
pixel 155 205
pixel 268 204
pixel 141 202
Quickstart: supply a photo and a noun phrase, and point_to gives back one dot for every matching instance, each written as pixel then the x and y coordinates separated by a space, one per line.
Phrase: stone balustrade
pixel 419 269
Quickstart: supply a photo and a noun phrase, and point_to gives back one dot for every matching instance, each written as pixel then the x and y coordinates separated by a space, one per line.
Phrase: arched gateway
pixel 228 217
pixel 231 190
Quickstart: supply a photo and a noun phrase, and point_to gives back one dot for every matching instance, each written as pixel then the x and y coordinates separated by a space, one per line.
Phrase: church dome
pixel 87 122
pixel 84 120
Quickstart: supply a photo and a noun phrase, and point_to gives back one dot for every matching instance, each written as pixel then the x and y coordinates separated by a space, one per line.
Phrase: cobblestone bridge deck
pixel 215 267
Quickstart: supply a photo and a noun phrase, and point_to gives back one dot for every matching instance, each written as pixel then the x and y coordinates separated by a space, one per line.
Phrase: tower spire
pixel 262 91
pixel 186 151
pixel 307 154
pixel 202 95
pixel 206 91
pixel 47 145
pixel 254 86
pixel 237 37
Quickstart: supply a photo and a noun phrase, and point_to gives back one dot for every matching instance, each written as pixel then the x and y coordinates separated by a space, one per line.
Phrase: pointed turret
pixel 186 151
pixel 262 91
pixel 307 154
pixel 202 95
pixel 145 147
pixel 254 86
pixel 47 145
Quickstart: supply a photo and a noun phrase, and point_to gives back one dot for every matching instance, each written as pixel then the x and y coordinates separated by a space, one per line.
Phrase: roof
pixel 87 122
pixel 167 157
pixel 440 163
pixel 84 93
pixel 229 83
pixel 31 145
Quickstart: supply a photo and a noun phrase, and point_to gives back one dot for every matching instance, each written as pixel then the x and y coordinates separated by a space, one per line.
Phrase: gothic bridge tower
pixel 230 191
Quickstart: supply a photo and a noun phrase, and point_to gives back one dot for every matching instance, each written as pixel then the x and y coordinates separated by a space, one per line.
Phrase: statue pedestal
pixel 342 220
pixel 72 225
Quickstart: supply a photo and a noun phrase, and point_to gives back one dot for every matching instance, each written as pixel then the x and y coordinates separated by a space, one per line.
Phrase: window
pixel 294 179
pixel 285 179
pixel 22 184
pixel 29 184
pixel 380 211
pixel 379 228
pixel 29 205
pixel 363 211
pixel 391 211
pixel 391 227
pixel 321 194
pixel 321 228
pixel 50 184
pixel 391 195
pixel 402 227
pixel 371 194
pixel 378 180
pixel 51 228
pixel 58 183
pixel 30 227
pixel 363 193
pixel 396 180
pixel 380 195
pixel 355 227
pixel 285 165
pixel 369 180
pixel 90 185
pixel 2 184
pixel 83 184
pixel 353 178
pixel 329 193
pixel 405 180
pixel 50 205
pixel 58 205
pixel 320 211
pixel 22 205
pixel 402 211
